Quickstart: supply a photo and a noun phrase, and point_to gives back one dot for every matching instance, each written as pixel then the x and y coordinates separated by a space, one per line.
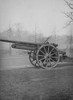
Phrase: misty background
pixel 34 21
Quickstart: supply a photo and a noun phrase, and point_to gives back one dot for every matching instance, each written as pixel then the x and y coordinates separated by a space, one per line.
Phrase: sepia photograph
pixel 36 49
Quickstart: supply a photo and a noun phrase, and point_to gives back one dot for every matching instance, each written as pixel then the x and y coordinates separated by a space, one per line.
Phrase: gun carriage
pixel 45 55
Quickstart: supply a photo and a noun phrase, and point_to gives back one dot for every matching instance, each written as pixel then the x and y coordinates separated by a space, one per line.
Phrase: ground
pixel 30 83
pixel 37 84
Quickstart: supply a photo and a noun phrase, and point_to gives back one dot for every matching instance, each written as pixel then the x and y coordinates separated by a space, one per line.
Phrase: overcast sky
pixel 45 15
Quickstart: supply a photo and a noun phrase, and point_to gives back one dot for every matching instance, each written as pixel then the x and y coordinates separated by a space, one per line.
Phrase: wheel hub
pixel 47 55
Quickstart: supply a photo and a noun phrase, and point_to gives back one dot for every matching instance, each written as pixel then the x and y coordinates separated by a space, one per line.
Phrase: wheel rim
pixel 32 58
pixel 47 56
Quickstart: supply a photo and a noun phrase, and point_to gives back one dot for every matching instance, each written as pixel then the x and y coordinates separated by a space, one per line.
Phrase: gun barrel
pixel 20 42
pixel 10 41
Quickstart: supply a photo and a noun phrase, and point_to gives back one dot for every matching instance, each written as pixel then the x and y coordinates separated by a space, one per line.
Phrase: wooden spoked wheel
pixel 32 58
pixel 47 56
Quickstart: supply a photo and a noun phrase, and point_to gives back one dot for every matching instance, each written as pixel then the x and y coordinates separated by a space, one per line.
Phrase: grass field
pixel 30 83
pixel 36 84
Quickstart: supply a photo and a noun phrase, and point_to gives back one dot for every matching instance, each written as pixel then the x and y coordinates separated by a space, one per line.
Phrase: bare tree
pixel 69 14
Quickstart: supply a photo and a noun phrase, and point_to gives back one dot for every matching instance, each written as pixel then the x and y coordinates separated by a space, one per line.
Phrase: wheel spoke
pixel 51 50
pixel 54 57
pixel 41 59
pixel 42 52
pixel 47 63
pixel 45 49
pixel 52 60
pixel 44 61
pixel 48 49
pixel 54 53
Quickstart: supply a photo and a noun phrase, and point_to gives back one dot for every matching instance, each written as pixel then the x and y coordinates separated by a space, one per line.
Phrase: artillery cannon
pixel 45 55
